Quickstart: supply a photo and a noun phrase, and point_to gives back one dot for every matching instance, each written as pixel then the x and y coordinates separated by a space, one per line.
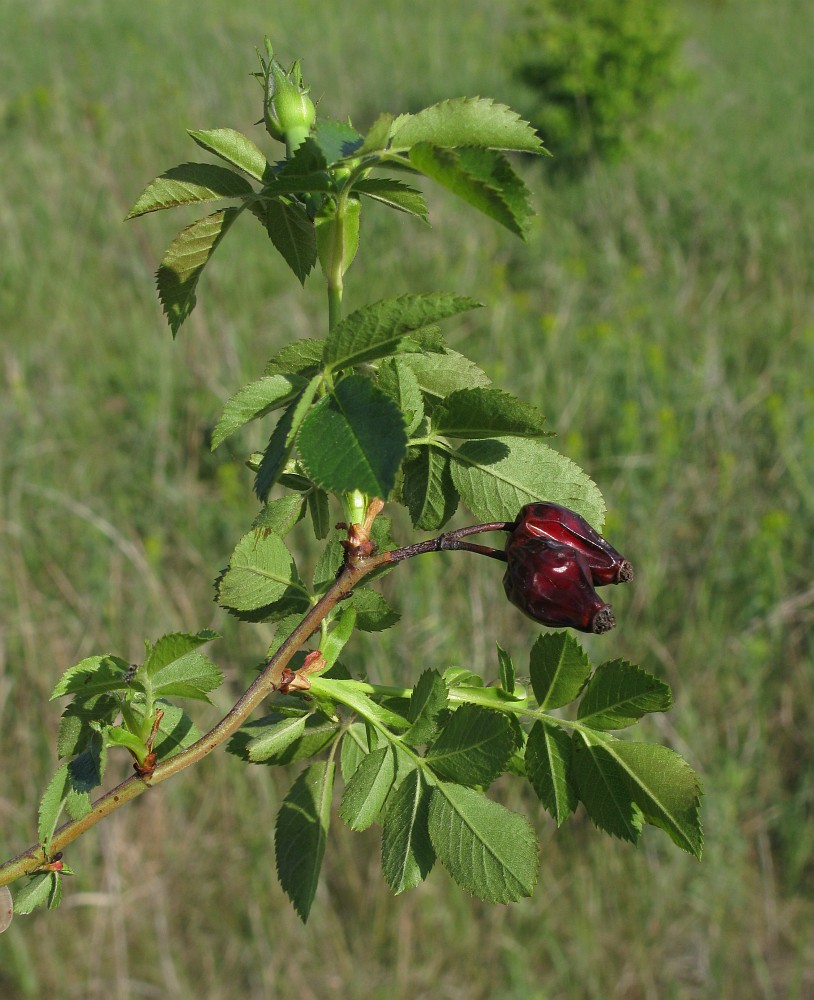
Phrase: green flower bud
pixel 289 112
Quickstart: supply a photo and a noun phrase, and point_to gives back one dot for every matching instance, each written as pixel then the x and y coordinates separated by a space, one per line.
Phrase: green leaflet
pixel 368 789
pixel 260 572
pixel 498 476
pixel 488 850
pixel 407 852
pixel 439 374
pixel 395 194
pixel 466 121
pixel 548 766
pixel 187 184
pixel 354 439
pixel 559 669
pixel 190 676
pixel 301 833
pixel 283 437
pixel 427 489
pixel 381 328
pixel 36 892
pixel 184 261
pixel 473 747
pixel 623 784
pixel 93 675
pixel 279 739
pixel 429 699
pixel 291 232
pixel 507 672
pixel 484 413
pixel 400 382
pixel 173 646
pixel 235 148
pixel 619 694
pixel 255 400
pixel 481 178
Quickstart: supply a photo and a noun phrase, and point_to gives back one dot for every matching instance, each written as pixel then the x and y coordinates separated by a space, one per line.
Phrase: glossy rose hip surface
pixel 551 583
pixel 559 524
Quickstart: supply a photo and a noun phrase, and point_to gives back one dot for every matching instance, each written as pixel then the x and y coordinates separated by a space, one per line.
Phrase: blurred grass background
pixel 662 315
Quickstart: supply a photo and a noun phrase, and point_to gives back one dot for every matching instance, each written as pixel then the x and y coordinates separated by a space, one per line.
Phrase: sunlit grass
pixel 661 316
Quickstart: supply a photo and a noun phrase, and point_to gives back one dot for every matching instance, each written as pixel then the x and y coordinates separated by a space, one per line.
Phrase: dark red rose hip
pixel 551 583
pixel 559 524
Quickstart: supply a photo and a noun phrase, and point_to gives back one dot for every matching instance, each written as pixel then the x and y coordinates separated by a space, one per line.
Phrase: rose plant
pixel 374 413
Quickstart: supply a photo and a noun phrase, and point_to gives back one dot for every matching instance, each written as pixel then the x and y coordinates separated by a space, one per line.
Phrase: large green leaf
pixel 235 148
pixel 559 669
pixel 260 571
pixel 190 183
pixel 354 439
pixel 488 850
pixel 619 694
pixel 473 747
pixel 381 328
pixel 407 852
pixel 483 179
pixel 466 121
pixel 623 784
pixel 548 766
pixel 498 476
pixel 255 400
pixel 301 833
pixel 184 261
pixel 484 413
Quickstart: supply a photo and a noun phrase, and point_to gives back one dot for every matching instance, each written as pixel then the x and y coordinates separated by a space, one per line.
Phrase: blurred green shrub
pixel 596 69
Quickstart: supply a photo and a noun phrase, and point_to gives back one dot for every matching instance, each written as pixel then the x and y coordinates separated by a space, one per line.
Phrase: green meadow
pixel 661 314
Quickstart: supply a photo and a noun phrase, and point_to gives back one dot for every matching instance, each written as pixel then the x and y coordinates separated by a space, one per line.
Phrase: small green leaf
pixel 483 413
pixel 34 893
pixel 280 515
pixel 497 477
pixel 256 400
pixel 335 139
pixel 54 890
pixel 184 261
pixel 75 729
pixel 190 183
pixel 93 675
pixel 507 674
pixel 427 489
pixel 439 374
pixel 320 512
pixel 354 439
pixel 373 613
pixel 461 677
pixel 301 834
pixel 176 731
pixel 619 694
pixel 335 640
pixel 260 571
pixel 473 747
pixel 356 746
pixel 488 850
pixel 85 772
pixel 51 805
pixel 303 357
pixel 291 231
pixel 235 148
pixel 281 443
pixel 548 766
pixel 381 328
pixel 118 737
pixel 559 669
pixel 275 739
pixel 466 121
pixel 478 177
pixel 429 699
pixel 407 852
pixel 191 676
pixel 272 732
pixel 400 382
pixel 395 194
pixel 173 646
pixel 378 135
pixel 367 790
